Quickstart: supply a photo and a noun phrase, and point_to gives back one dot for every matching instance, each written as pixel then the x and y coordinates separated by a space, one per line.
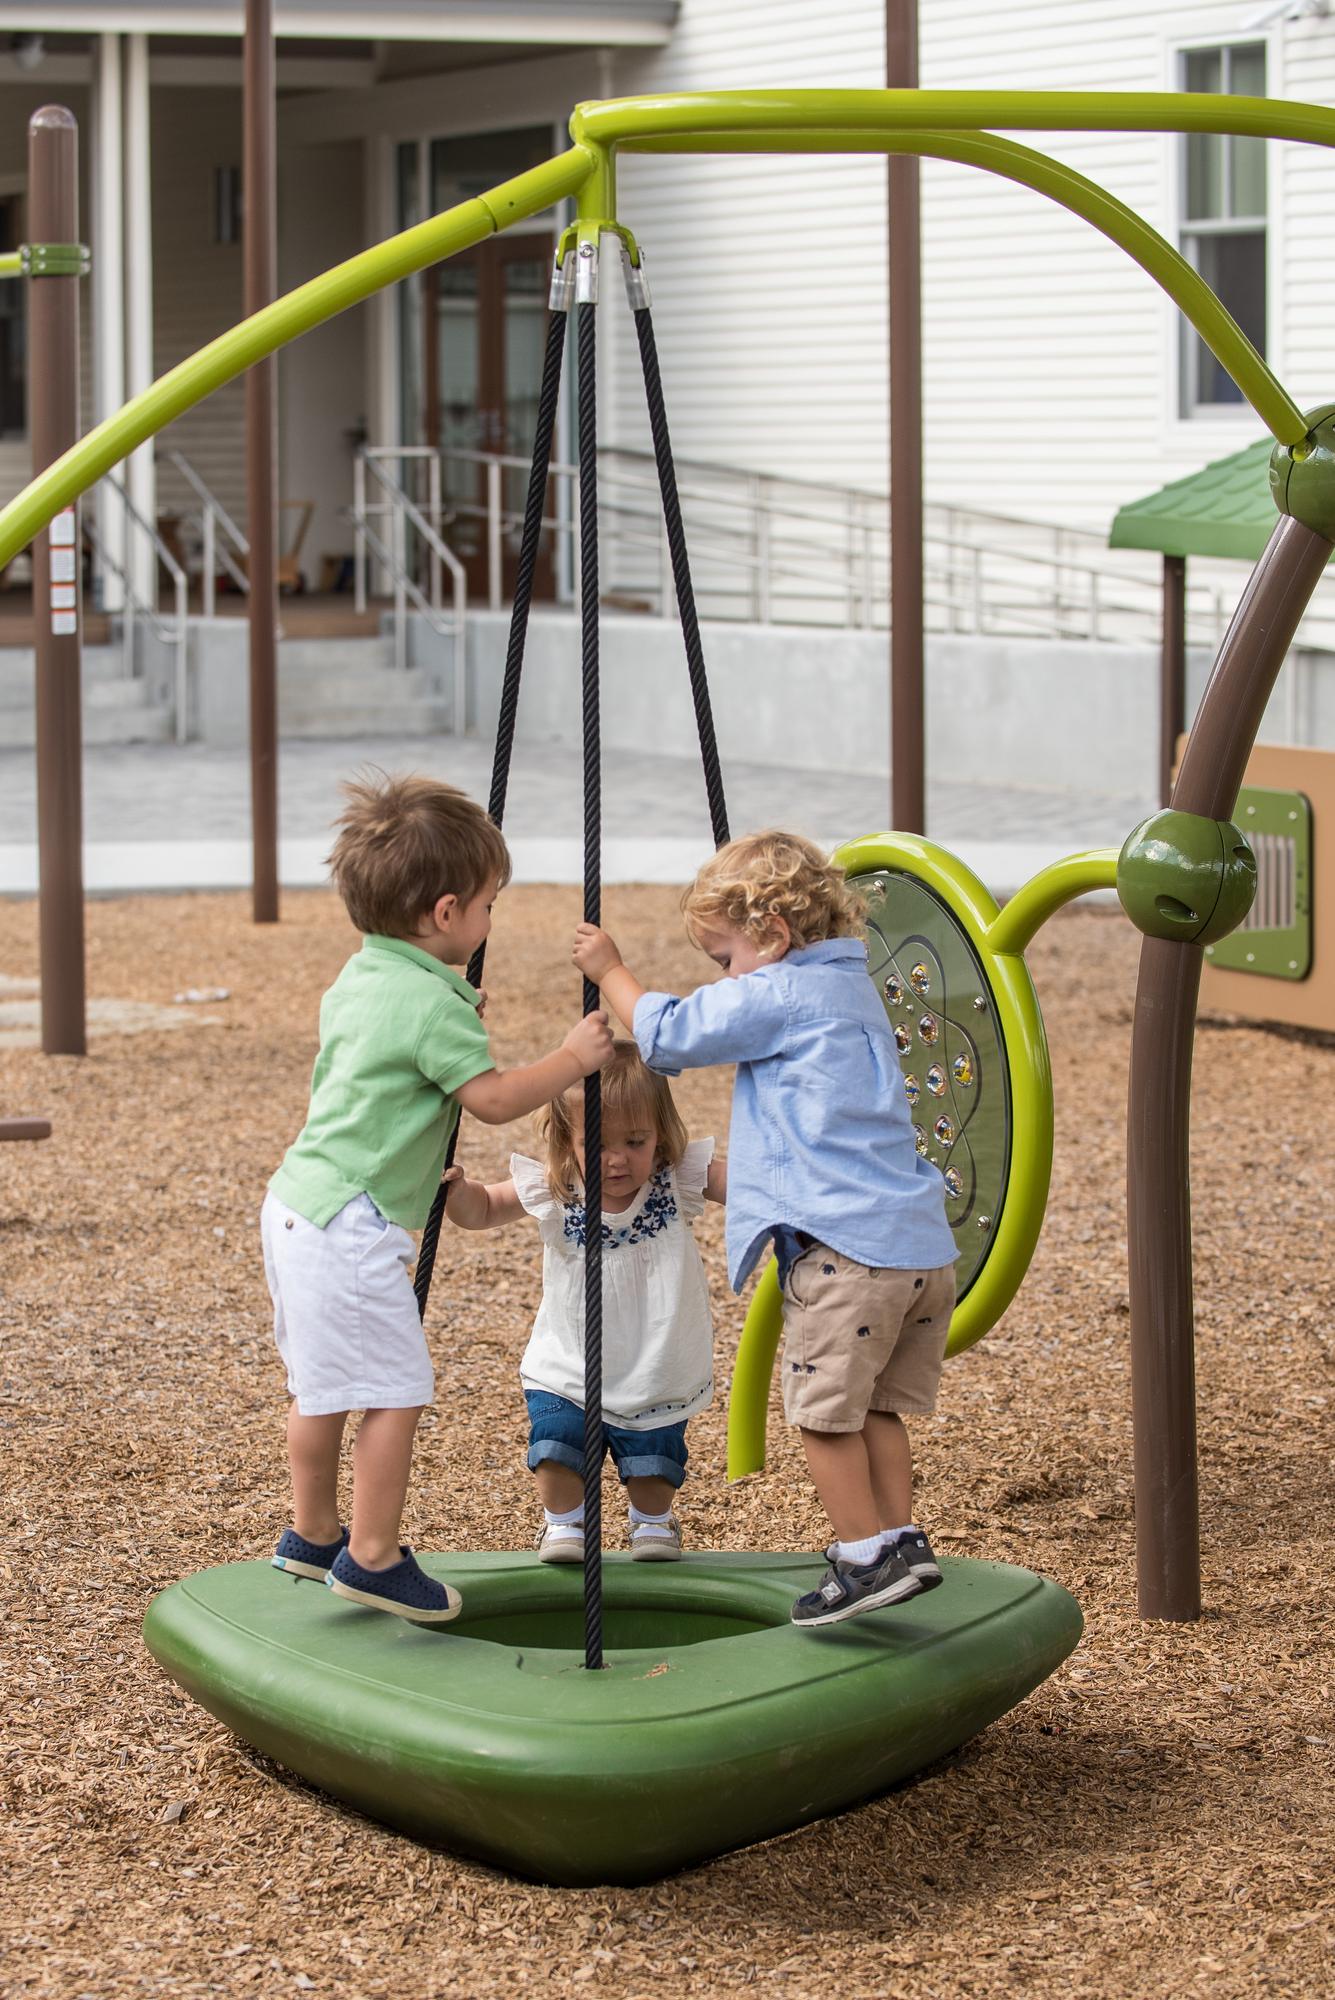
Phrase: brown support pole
pixel 261 454
pixel 1163 1380
pixel 908 804
pixel 53 390
pixel 1172 669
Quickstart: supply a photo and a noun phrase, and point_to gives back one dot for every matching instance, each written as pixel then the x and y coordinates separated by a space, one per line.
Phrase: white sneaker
pixel 560 1544
pixel 650 1543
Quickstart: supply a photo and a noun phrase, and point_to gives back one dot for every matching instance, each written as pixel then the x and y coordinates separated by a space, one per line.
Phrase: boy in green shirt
pixel 402 1046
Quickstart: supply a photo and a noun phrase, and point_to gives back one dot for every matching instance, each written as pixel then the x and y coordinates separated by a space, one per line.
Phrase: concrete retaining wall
pixel 1055 715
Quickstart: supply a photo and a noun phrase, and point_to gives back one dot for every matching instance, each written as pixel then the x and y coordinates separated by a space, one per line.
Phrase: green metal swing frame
pixel 948 125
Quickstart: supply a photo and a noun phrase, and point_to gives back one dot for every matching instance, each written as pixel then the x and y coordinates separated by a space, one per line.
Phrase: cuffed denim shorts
pixel 556 1432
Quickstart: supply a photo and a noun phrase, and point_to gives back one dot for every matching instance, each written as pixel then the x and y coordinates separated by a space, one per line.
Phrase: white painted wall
pixel 321 378
pixel 1050 360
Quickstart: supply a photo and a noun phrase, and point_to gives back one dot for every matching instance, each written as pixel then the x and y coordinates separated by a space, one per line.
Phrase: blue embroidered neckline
pixel 658 1210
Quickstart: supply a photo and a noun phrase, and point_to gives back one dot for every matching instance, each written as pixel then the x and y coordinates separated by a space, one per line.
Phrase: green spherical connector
pixel 1302 475
pixel 1185 877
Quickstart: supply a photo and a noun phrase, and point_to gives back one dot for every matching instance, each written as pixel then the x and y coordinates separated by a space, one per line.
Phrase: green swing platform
pixel 714 1723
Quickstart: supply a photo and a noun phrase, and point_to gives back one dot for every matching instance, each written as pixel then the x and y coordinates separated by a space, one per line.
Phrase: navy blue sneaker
pixel 916 1550
pixel 302 1558
pixel 847 1589
pixel 404 1588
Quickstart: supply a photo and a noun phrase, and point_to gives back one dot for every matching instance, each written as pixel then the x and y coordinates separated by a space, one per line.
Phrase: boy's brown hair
pixel 403 843
pixel 631 1093
pixel 766 875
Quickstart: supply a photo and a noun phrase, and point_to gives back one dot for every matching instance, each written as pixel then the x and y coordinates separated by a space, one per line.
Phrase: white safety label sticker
pixel 62 529
pixel 62 597
pixel 62 565
pixel 63 623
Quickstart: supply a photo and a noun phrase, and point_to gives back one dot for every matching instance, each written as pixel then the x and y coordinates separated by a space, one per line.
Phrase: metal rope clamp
pixel 55 260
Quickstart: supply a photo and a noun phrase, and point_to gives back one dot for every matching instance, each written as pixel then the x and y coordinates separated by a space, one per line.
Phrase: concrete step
pixel 101 664
pixel 319 658
pixel 351 719
pixel 103 723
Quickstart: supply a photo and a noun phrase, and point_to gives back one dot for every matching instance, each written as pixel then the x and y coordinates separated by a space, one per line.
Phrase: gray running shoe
pixel 917 1553
pixel 848 1589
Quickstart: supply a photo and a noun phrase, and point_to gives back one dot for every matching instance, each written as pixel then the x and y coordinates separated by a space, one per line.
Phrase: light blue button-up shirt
pixel 821 1137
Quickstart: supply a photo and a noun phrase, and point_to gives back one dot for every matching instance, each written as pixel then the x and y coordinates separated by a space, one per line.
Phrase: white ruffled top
pixel 658 1335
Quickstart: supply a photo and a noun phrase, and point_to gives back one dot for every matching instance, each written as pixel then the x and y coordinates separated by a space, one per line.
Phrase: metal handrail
pixel 771 545
pixel 176 633
pixel 404 512
pixel 213 516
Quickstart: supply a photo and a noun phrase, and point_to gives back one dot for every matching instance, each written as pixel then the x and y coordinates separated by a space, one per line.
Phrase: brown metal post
pixel 908 803
pixel 1163 1374
pixel 1172 669
pixel 261 458
pixel 53 415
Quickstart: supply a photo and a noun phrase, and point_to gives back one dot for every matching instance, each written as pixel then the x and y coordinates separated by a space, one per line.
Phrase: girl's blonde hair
pixel 633 1095
pixel 751 881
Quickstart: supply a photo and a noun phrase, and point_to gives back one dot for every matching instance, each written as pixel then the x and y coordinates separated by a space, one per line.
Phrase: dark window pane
pixel 1234 268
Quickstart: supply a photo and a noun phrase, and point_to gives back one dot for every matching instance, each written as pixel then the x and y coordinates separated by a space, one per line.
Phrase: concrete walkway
pixel 157 816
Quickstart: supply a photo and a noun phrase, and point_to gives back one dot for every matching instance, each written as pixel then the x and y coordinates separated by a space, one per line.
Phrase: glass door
pixel 485 325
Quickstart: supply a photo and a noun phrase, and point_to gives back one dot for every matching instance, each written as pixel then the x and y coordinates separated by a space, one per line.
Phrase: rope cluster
pixel 586 346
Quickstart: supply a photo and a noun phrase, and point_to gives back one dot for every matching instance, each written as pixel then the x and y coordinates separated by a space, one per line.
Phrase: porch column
pixel 142 481
pixel 109 296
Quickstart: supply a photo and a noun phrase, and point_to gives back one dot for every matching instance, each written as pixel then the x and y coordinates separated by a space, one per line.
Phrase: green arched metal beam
pixel 1082 197
pixel 789 121
pixel 635 123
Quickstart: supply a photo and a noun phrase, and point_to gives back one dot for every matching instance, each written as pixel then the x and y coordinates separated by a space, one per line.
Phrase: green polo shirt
pixel 399 1034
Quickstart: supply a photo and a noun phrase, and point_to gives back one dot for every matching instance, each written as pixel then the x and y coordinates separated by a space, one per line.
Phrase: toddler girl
pixel 657 1330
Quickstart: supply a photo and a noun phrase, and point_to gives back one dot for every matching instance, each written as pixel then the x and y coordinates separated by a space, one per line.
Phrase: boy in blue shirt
pixel 821 1161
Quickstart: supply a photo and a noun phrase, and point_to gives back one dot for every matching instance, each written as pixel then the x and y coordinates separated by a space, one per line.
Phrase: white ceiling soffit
pixel 612 23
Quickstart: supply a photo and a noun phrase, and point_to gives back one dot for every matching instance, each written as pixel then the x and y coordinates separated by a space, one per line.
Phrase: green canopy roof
pixel 1223 510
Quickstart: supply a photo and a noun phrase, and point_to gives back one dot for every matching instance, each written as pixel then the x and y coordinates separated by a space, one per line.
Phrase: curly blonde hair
pixel 633 1095
pixel 751 881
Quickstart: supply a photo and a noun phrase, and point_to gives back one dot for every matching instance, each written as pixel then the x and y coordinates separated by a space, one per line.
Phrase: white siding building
pixel 1056 386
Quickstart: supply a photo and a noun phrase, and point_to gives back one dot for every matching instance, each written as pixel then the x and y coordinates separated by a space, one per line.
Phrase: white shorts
pixel 344 1314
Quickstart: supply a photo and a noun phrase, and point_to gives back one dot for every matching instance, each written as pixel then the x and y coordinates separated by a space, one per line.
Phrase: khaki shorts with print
pixel 860 1338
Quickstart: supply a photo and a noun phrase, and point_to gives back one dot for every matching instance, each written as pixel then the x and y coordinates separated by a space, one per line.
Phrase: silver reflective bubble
pixel 912 1089
pixel 920 979
pixel 962 1068
pixel 919 1139
pixel 893 989
pixel 945 1131
pixel 903 1040
pixel 954 1181
pixel 929 1028
pixel 936 1080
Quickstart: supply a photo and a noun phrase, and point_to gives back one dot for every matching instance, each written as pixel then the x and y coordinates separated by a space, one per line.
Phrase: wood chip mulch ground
pixel 1155 1820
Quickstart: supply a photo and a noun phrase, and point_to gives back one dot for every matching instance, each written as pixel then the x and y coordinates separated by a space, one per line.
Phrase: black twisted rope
pixel 505 725
pixel 586 336
pixel 681 575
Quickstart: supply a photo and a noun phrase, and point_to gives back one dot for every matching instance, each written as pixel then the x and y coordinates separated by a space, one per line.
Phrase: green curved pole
pixel 1070 190
pixel 629 121
pixel 297 312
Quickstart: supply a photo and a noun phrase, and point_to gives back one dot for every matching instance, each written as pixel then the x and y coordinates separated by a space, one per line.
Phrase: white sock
pixel 864 1551
pixel 658 1523
pixel 573 1521
pixel 889 1536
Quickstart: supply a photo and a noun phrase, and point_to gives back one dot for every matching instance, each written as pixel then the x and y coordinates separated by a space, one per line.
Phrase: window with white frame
pixel 1223 226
